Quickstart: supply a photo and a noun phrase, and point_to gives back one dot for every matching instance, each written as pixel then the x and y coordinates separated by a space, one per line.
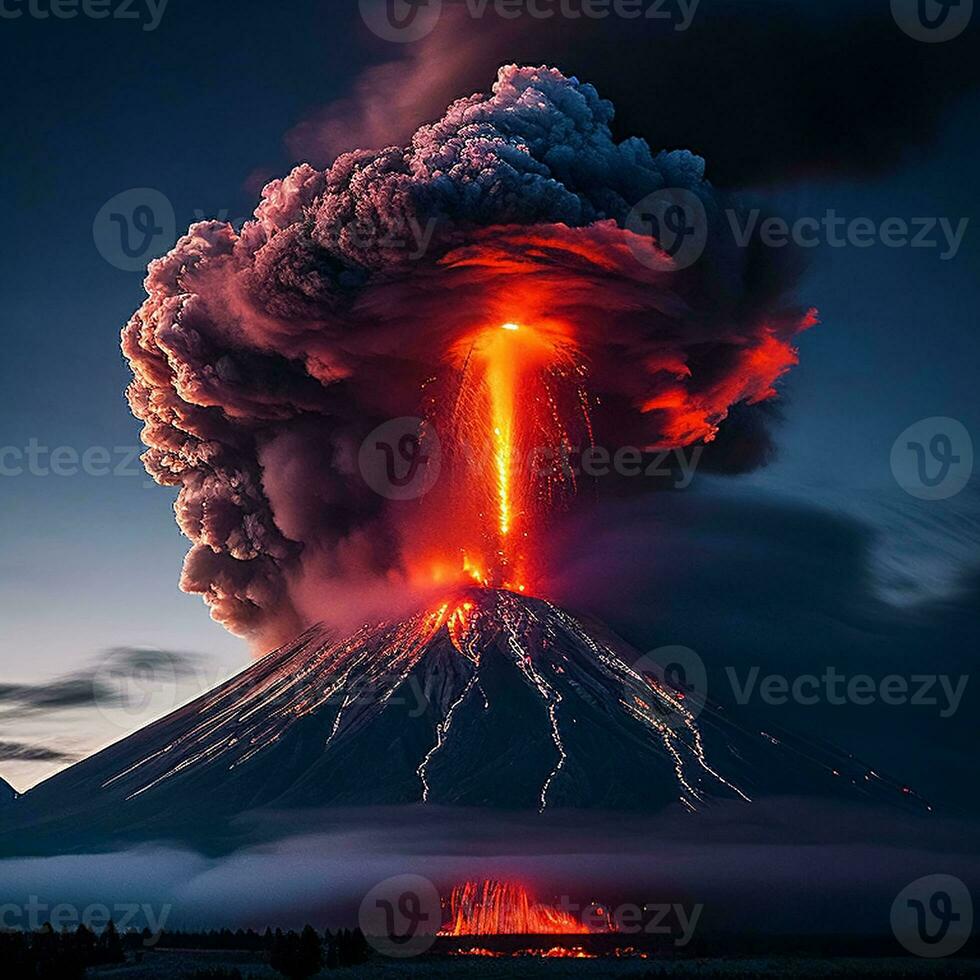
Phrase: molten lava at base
pixel 555 952
pixel 495 908
pixel 498 912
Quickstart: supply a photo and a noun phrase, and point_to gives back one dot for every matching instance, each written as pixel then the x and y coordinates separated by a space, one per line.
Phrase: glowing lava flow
pixel 502 369
pixel 502 394
pixel 452 652
pixel 495 908
pixel 526 629
pixel 517 386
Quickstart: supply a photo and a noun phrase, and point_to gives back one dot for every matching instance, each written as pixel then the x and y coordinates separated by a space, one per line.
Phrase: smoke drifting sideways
pixel 262 359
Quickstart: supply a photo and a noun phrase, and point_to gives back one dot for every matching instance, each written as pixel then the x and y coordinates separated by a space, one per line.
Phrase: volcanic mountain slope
pixel 493 700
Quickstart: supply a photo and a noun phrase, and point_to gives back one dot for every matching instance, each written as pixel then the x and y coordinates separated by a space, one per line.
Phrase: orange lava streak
pixel 502 382
pixel 504 411
pixel 494 908
pixel 509 407
pixel 502 358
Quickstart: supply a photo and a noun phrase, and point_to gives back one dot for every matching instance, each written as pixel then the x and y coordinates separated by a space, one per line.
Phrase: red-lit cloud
pixel 261 359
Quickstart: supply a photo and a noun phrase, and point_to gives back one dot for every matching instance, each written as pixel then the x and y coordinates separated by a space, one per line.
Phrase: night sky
pixel 818 558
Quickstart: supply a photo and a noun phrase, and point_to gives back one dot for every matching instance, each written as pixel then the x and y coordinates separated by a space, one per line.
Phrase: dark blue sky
pixel 198 109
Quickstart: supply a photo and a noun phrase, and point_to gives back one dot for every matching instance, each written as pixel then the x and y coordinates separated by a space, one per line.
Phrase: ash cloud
pixel 86 688
pixel 22 752
pixel 64 693
pixel 262 358
pixel 747 85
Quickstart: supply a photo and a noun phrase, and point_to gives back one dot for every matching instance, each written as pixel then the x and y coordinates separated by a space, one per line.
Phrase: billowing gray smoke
pixel 262 358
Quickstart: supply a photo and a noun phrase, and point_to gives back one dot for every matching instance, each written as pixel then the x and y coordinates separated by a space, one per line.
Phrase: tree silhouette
pixel 110 945
pixel 295 956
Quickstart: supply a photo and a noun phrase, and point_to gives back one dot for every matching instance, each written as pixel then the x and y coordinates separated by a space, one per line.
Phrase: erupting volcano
pixel 537 323
pixel 537 320
pixel 492 700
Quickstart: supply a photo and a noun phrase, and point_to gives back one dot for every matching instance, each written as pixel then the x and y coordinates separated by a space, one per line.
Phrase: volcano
pixel 494 699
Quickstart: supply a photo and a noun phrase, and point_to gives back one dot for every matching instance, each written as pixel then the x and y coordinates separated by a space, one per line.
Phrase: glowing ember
pixel 573 952
pixel 495 908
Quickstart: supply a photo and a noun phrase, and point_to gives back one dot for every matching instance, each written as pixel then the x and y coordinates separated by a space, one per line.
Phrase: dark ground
pixel 178 963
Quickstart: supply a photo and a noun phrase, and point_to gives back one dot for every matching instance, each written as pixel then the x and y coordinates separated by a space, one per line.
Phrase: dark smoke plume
pixel 747 85
pixel 261 359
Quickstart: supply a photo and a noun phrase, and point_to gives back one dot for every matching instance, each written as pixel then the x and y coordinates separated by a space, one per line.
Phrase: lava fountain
pixel 496 908
pixel 515 387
